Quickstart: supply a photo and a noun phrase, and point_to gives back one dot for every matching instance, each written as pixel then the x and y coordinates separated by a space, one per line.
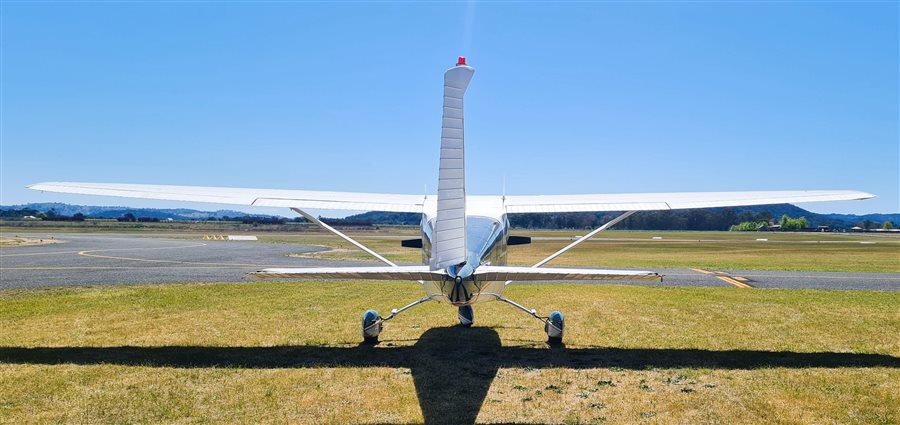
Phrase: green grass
pixel 287 352
pixel 725 251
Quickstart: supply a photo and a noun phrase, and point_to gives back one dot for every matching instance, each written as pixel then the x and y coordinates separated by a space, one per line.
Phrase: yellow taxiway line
pixel 734 282
pixel 89 253
pixel 724 277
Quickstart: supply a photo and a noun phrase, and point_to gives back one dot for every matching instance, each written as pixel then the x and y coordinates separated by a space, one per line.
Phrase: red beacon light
pixel 461 61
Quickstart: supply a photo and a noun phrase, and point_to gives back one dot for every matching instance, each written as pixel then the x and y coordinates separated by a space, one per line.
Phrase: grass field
pixel 287 353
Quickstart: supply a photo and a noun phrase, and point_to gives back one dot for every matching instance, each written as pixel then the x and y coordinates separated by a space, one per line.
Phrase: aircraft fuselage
pixel 486 244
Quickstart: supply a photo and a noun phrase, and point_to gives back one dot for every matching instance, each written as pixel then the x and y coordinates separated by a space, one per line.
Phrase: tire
pixel 554 327
pixel 466 316
pixel 371 326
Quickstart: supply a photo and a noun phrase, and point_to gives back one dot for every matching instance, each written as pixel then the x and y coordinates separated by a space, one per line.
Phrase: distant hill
pixel 705 219
pixel 116 212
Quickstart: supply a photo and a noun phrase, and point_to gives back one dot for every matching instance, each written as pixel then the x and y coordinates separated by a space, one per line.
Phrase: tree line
pixel 50 215
pixel 786 223
pixel 708 219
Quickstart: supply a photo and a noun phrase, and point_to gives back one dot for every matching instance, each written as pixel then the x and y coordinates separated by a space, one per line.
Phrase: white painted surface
pixel 356 201
pixel 450 221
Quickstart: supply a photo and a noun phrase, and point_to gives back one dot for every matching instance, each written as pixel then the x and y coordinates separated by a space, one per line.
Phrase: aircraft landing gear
pixel 373 323
pixel 554 324
pixel 554 327
pixel 466 316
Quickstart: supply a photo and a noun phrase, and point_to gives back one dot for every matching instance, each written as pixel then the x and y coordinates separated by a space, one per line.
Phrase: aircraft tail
pixel 449 244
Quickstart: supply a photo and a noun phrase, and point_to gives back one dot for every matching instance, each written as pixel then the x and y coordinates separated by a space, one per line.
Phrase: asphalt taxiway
pixel 107 259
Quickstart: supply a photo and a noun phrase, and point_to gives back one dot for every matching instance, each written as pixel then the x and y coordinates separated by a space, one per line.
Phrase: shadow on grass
pixel 452 368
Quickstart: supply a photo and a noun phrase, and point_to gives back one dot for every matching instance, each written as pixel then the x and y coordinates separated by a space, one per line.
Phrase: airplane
pixel 464 238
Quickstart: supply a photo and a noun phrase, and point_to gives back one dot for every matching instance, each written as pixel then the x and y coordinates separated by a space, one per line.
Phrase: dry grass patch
pixel 288 352
pixel 11 242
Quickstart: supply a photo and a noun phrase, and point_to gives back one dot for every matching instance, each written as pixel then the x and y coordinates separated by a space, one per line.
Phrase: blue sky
pixel 567 98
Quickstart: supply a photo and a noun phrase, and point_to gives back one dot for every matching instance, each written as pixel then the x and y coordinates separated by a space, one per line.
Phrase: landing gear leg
pixel 466 316
pixel 553 324
pixel 373 323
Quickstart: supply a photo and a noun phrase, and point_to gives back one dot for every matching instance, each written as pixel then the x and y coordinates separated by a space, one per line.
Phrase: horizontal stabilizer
pixel 483 273
pixel 353 273
pixel 526 274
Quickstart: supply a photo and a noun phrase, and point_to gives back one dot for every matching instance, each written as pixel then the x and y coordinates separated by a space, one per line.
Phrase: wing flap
pixel 302 199
pixel 672 201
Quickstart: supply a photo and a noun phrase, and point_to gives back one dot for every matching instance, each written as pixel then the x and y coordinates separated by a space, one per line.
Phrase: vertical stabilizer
pixel 449 245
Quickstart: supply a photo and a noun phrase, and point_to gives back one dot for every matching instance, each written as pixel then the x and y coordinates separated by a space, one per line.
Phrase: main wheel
pixel 466 316
pixel 554 327
pixel 371 326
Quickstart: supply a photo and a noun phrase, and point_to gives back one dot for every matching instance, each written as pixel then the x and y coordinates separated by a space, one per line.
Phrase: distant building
pixel 823 229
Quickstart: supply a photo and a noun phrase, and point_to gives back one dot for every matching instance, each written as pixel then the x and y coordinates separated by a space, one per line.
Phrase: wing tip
pixel 867 195
pixel 42 185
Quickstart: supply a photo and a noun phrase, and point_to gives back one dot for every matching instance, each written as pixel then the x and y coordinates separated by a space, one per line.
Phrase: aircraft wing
pixel 671 201
pixel 304 199
pixel 301 199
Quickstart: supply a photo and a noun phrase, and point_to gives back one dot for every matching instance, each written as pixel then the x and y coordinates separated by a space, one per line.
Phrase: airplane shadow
pixel 452 367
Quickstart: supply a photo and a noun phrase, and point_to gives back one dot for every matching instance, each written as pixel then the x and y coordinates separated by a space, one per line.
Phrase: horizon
pixel 345 214
pixel 571 98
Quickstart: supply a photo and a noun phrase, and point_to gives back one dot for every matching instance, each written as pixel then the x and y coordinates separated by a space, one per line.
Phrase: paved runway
pixel 104 259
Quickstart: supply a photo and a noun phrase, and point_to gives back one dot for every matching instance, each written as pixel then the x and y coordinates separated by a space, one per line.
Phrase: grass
pixel 287 352
pixel 725 251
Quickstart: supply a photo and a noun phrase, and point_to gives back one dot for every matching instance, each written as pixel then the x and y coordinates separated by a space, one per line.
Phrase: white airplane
pixel 464 238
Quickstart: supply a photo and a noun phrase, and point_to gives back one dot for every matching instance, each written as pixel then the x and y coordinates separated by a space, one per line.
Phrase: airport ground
pixel 217 347
pixel 783 260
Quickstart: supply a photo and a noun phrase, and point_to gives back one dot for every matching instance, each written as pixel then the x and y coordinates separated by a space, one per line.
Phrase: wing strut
pixel 343 236
pixel 608 224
